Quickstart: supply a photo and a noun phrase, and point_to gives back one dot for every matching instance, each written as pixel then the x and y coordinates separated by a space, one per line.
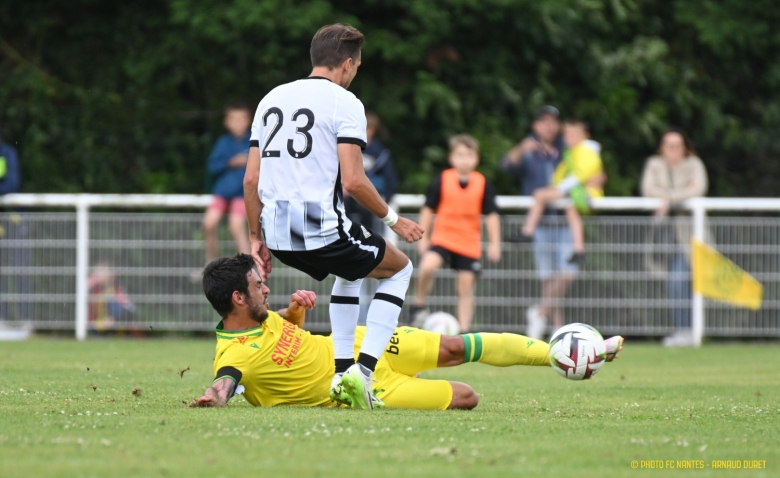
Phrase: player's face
pixel 464 159
pixel 547 128
pixel 351 70
pixel 257 301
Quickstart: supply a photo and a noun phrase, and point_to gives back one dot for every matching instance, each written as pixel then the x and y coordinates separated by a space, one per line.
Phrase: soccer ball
pixel 577 351
pixel 442 323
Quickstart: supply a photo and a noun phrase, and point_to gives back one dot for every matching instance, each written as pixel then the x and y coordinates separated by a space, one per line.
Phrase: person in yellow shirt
pixel 579 177
pixel 278 363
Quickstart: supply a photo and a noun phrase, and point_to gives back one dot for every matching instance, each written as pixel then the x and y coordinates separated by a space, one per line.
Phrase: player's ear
pixel 238 298
pixel 347 64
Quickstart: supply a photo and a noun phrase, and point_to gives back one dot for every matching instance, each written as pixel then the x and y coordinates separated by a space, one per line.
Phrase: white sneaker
pixel 536 324
pixel 358 387
pixel 679 339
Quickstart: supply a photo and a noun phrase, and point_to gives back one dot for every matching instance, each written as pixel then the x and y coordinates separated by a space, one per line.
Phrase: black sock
pixel 343 364
pixel 367 361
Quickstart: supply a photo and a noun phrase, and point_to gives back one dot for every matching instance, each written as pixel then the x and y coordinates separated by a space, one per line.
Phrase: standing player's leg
pixel 394 273
pixel 465 290
pixel 344 313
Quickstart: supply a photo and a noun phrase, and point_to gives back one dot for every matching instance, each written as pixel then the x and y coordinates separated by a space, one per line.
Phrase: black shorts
pixel 350 258
pixel 457 261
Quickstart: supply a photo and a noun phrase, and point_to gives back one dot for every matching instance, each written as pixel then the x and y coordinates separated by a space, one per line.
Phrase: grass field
pixel 67 409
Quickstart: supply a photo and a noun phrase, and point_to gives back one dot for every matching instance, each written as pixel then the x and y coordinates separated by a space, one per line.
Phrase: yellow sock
pixel 504 350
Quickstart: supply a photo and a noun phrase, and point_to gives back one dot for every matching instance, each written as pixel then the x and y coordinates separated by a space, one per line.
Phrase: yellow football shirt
pixel 279 362
pixel 584 163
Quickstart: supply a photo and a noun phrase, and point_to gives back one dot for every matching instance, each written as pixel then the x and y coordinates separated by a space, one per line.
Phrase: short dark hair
pixel 224 276
pixel 333 44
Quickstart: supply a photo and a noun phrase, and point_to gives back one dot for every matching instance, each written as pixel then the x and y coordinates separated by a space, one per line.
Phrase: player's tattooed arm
pixel 217 395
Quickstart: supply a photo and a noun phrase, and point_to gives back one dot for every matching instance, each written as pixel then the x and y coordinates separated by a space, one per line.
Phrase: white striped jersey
pixel 297 127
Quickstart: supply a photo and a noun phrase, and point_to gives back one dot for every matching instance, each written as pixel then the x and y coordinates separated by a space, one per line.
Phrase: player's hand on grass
pixel 408 229
pixel 209 399
pixel 262 257
pixel 494 252
pixel 302 299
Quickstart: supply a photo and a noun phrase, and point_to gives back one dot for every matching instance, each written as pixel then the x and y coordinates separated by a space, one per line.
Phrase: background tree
pixel 127 97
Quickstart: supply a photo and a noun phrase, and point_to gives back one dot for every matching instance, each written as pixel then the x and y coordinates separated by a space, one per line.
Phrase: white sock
pixel 344 312
pixel 384 311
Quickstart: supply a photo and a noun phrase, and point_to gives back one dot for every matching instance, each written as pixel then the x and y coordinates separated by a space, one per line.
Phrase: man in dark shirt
pixel 532 162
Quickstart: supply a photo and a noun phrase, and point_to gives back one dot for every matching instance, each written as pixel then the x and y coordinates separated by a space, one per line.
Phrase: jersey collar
pixel 232 334
pixel 317 78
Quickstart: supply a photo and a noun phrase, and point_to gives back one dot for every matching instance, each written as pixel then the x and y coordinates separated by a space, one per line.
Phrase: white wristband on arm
pixel 391 218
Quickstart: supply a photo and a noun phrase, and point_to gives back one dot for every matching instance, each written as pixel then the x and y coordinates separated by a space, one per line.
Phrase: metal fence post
pixel 82 267
pixel 697 304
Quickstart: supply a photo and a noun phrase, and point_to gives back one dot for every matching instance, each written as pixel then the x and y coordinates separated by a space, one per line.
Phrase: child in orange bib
pixel 459 197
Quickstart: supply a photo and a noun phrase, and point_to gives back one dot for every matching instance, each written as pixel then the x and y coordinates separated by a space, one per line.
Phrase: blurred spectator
pixel 378 163
pixel 10 175
pixel 227 165
pixel 12 227
pixel 571 179
pixel 459 197
pixel 533 162
pixel 109 306
pixel 674 175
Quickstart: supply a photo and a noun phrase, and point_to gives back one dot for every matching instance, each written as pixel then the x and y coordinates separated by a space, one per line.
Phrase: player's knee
pixel 463 397
pixel 405 274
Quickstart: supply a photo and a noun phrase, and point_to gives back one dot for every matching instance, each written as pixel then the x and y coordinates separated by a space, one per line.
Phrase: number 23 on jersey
pixel 302 130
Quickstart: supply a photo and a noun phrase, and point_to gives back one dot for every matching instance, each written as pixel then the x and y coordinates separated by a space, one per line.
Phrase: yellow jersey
pixel 280 363
pixel 583 162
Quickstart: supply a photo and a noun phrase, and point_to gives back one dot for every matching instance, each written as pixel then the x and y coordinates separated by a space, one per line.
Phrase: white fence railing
pixel 47 258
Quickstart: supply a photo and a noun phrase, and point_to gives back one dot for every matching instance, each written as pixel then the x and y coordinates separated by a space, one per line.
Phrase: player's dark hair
pixel 238 106
pixel 333 44
pixel 224 276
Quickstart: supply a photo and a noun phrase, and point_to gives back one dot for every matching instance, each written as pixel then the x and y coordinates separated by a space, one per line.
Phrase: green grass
pixel 715 403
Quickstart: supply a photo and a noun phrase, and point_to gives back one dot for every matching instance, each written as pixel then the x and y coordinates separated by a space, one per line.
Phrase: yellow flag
pixel 716 277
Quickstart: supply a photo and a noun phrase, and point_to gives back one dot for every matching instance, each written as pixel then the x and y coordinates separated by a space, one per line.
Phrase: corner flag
pixel 716 277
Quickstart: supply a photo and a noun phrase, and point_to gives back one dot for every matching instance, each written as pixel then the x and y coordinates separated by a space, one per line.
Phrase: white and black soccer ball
pixel 442 323
pixel 577 351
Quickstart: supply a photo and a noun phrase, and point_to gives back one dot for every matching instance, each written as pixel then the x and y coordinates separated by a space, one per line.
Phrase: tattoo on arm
pixel 223 389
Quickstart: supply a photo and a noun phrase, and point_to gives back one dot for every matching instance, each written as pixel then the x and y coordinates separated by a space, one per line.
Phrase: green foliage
pixel 127 97
pixel 67 409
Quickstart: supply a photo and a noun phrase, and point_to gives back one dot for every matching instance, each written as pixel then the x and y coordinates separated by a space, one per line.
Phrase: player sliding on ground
pixel 279 363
